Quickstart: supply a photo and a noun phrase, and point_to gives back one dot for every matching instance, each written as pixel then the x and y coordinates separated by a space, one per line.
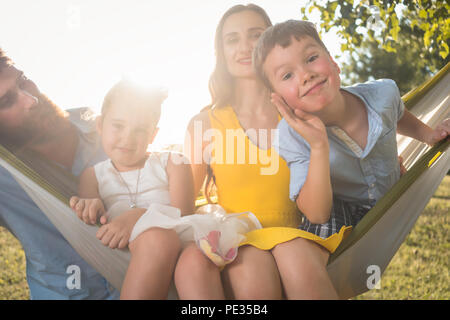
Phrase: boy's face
pixel 126 134
pixel 304 74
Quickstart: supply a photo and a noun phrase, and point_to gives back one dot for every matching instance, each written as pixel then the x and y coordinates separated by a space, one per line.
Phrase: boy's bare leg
pixel 253 275
pixel 196 276
pixel 153 257
pixel 302 266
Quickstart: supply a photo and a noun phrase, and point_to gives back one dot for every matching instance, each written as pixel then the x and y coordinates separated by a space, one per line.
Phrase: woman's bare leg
pixel 302 266
pixel 253 275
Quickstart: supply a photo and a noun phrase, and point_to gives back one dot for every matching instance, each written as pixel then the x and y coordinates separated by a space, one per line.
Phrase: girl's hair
pixel 221 83
pixel 147 98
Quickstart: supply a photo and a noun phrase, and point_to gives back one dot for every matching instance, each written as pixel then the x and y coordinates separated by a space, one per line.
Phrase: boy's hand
pixel 307 125
pixel 441 132
pixel 89 210
pixel 117 233
pixel 402 167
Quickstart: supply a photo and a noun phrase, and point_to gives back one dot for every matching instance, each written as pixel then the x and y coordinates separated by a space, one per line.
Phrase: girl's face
pixel 239 35
pixel 126 134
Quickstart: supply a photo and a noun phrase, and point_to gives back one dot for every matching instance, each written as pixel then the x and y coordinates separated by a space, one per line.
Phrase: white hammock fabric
pixel 348 271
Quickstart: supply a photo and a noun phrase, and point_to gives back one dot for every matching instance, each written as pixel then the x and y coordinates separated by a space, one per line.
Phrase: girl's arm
pixel 181 185
pixel 88 205
pixel 409 125
pixel 194 147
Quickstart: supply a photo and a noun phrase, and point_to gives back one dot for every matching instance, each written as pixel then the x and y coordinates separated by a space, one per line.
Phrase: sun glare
pixel 75 50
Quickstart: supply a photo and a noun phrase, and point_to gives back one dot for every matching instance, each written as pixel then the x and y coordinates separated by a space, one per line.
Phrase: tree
pixel 410 65
pixel 390 37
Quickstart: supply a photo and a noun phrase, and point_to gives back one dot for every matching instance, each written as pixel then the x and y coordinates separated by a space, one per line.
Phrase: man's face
pixel 304 74
pixel 25 113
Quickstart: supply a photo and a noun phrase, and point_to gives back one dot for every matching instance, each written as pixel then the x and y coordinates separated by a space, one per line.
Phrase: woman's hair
pixel 221 83
pixel 146 98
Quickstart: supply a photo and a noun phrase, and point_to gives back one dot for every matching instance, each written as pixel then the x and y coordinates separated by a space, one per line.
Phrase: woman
pixel 249 176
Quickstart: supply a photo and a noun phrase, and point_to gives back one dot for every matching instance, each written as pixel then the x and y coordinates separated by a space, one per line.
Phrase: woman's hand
pixel 89 210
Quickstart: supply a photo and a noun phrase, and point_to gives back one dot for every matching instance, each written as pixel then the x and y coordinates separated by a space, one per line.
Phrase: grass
pixel 419 270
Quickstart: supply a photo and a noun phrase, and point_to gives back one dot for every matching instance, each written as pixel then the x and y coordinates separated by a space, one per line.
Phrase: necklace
pixel 133 198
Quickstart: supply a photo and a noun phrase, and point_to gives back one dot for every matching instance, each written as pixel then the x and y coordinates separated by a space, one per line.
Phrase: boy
pixel 340 143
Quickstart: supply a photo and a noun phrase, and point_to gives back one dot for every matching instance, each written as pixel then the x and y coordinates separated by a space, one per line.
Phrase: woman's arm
pixel 194 147
pixel 181 185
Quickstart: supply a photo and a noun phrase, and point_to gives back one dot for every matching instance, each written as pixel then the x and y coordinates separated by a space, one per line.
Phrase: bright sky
pixel 75 50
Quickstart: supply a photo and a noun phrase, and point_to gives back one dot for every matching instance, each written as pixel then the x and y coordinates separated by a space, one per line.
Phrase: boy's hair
pixel 281 34
pixel 5 61
pixel 149 98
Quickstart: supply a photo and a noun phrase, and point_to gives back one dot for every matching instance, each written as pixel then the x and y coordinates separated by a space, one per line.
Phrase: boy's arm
pixel 181 183
pixel 409 125
pixel 316 195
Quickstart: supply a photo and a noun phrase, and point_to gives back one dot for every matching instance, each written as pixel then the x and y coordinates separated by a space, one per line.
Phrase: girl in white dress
pixel 118 191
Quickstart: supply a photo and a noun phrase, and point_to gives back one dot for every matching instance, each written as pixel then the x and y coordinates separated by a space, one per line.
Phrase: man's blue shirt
pixel 48 254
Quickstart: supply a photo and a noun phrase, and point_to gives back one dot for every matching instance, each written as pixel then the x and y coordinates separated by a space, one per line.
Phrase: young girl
pixel 118 191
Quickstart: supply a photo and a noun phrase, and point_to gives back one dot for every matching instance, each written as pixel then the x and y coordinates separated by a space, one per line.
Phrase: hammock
pixel 373 241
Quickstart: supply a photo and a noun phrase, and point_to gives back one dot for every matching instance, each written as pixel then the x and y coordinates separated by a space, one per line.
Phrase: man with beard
pixel 30 121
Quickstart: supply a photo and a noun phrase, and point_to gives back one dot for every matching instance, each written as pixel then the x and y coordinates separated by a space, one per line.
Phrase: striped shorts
pixel 343 213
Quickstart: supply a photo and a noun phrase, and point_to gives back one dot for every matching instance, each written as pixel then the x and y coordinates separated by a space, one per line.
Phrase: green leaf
pixel 443 54
pixel 423 14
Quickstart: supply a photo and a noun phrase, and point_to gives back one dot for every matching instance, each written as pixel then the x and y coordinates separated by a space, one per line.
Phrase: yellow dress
pixel 252 179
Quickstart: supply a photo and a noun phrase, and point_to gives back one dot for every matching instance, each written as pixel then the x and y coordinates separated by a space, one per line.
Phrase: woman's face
pixel 239 35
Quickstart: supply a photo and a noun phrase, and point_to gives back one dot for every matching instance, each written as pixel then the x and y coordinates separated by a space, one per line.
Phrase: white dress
pixel 153 184
pixel 213 229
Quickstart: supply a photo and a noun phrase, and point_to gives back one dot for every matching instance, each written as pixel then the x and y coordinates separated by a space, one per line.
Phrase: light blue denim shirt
pixel 356 175
pixel 48 254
